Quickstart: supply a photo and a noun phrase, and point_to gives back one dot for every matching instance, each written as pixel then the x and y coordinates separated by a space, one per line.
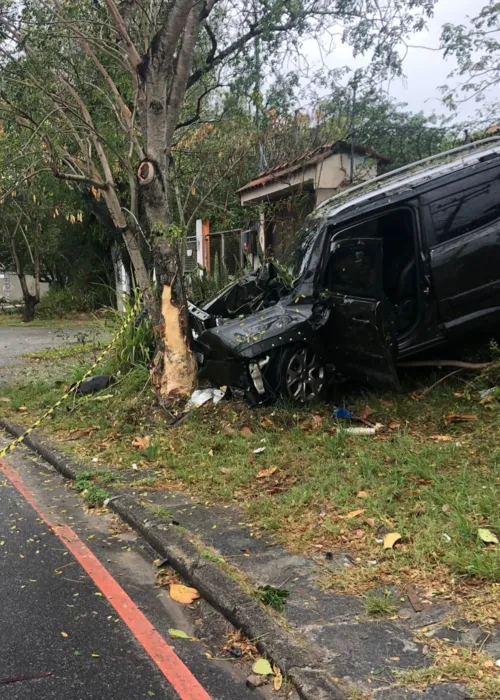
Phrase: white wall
pixel 10 287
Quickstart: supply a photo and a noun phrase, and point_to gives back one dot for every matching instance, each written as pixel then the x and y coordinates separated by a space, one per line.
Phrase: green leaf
pixel 487 536
pixel 262 667
pixel 178 634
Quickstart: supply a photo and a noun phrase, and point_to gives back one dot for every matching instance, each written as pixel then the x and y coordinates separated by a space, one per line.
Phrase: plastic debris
pixel 487 392
pixel 259 450
pixel 203 396
pixel 342 413
pixel 359 431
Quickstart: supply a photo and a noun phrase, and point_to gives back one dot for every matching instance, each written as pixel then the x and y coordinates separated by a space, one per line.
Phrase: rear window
pixel 475 205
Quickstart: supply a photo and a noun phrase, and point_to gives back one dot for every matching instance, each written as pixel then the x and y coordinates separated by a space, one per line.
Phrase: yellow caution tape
pixel 130 316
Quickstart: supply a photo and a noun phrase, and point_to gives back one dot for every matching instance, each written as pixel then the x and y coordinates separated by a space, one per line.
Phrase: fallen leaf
pixel 387 404
pixel 441 438
pixel 363 494
pixel 446 508
pixel 317 420
pixel 489 663
pixel 354 513
pixel 77 433
pixel 225 470
pixel 390 539
pixel 183 594
pixel 426 482
pixel 5 399
pixel 210 453
pixel 388 460
pixel 22 409
pixel 460 417
pixel 359 533
pixel 278 678
pixel 64 634
pixel 141 442
pixel 394 425
pixel 262 667
pixel 228 430
pixel 246 432
pixel 267 422
pixel 458 394
pixel 367 411
pixel 266 472
pixel 370 522
pixel 178 634
pixel 487 536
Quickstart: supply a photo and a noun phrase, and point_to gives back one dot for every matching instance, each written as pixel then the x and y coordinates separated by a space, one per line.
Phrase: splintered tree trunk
pixel 174 369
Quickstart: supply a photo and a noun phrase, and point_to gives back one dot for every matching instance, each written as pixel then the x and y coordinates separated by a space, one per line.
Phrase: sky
pixel 425 70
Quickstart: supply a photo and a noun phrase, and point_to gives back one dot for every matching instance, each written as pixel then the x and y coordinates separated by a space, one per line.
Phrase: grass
pixel 17 320
pixel 65 351
pixel 275 598
pixel 433 481
pixel 380 604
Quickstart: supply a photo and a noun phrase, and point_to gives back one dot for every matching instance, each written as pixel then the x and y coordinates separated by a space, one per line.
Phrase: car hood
pixel 252 335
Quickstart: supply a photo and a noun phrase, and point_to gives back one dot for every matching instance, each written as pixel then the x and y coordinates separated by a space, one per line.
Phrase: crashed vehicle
pixel 388 269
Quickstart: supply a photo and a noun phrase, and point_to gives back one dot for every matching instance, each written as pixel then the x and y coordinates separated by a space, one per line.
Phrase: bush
pixel 60 302
pixel 135 346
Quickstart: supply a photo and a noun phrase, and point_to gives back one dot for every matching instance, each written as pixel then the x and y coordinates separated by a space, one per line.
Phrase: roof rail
pixel 410 166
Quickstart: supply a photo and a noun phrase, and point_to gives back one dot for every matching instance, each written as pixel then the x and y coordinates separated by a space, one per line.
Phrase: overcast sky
pixel 425 70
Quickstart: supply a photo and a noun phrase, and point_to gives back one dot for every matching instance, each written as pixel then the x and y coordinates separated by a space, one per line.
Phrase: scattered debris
pixel 342 413
pixel 390 539
pixel 266 472
pixel 5 399
pixel 460 418
pixel 362 494
pixel 259 450
pixel 28 677
pixel 441 438
pixel 278 678
pixel 203 396
pixel 262 667
pixel 183 594
pixel 93 384
pixel 236 652
pixel 180 634
pixel 353 514
pixel 246 432
pixel 141 442
pixel 484 394
pixel 254 681
pixel 415 601
pixel 359 431
pixel 367 411
pixel 487 536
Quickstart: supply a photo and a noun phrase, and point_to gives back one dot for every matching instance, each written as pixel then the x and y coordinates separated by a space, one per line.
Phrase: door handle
pixel 361 321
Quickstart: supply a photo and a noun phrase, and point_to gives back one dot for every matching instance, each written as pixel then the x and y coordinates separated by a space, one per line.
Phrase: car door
pixel 359 331
pixel 464 242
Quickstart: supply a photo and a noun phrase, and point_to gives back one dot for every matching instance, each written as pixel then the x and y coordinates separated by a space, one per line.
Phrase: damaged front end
pixel 238 336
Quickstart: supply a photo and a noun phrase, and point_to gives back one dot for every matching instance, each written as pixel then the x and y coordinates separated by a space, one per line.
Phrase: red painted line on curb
pixel 174 670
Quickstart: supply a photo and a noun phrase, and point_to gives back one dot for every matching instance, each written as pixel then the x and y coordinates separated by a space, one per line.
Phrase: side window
pixel 473 206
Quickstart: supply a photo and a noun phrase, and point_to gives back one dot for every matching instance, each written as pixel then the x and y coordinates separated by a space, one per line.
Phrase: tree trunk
pixel 122 282
pixel 30 303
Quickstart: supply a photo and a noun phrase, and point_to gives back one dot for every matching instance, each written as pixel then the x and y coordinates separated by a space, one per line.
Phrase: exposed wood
pixel 415 601
pixel 178 363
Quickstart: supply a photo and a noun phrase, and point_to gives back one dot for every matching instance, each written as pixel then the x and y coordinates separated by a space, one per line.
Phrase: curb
pixel 301 664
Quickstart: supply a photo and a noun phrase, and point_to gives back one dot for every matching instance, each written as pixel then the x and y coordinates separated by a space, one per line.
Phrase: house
pixel 292 190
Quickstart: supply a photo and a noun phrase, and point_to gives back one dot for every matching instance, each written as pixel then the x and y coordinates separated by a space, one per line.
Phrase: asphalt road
pixel 55 619
pixel 17 340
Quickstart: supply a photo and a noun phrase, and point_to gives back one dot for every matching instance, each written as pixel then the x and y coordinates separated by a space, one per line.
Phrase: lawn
pixel 431 475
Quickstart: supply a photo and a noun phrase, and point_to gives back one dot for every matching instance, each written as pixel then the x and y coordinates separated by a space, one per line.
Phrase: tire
pixel 298 374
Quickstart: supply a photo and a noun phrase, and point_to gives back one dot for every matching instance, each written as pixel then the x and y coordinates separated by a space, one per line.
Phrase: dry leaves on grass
pixel 266 422
pixel 183 594
pixel 246 432
pixel 353 514
pixel 367 411
pixel 362 494
pixel 78 433
pixel 5 399
pixel 266 472
pixel 394 425
pixel 22 409
pixel 314 424
pixel 461 418
pixel 141 442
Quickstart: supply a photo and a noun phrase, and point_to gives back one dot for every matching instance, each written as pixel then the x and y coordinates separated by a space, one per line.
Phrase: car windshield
pixel 300 256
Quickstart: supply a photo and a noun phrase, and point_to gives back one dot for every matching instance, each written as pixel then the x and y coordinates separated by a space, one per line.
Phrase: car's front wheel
pixel 300 374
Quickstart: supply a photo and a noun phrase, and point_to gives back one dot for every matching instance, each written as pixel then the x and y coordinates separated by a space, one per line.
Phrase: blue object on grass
pixel 342 413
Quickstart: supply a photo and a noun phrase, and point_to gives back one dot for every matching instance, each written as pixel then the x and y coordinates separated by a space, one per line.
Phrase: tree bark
pixel 30 301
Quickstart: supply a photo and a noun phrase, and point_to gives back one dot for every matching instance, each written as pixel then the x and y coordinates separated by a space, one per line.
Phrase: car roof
pixel 406 180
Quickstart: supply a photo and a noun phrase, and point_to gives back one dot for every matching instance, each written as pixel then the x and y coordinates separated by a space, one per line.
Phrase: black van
pixel 386 270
